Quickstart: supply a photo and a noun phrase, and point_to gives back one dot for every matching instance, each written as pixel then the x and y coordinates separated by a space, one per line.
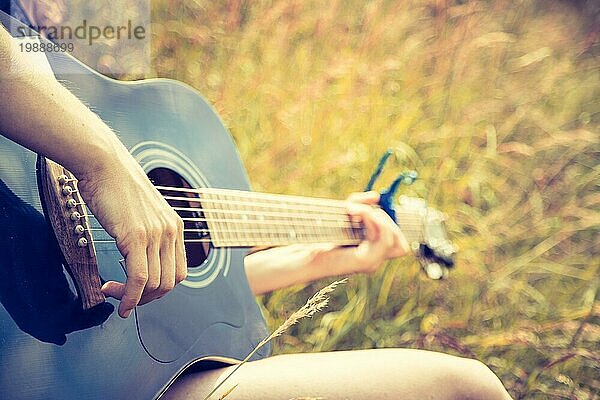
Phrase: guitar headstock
pixel 425 230
pixel 423 226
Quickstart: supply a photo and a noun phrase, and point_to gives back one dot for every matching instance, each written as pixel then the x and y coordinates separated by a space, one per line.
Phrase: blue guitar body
pixel 50 348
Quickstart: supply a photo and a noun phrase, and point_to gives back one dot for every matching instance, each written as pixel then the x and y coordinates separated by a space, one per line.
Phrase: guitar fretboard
pixel 237 218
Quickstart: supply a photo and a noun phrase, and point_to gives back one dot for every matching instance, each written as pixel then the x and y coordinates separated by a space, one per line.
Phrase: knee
pixel 473 380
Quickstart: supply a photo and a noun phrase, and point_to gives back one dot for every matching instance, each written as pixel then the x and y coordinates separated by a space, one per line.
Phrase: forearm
pixel 281 267
pixel 42 115
pixel 39 113
pixel 285 266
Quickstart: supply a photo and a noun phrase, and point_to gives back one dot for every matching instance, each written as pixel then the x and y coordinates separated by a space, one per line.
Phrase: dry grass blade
pixel 307 398
pixel 228 392
pixel 315 304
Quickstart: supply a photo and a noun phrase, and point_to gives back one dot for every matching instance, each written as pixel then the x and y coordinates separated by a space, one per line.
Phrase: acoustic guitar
pixel 60 338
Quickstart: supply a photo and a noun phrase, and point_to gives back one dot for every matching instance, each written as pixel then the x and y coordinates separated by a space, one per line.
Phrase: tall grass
pixel 495 103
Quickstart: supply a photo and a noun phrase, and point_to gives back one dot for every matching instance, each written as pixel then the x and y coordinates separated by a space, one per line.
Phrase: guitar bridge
pixel 65 211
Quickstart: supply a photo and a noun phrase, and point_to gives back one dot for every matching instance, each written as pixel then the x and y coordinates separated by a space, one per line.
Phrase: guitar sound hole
pixel 197 245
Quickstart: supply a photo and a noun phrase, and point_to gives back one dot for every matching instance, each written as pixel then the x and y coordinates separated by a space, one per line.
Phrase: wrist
pixel 328 260
pixel 280 267
pixel 104 154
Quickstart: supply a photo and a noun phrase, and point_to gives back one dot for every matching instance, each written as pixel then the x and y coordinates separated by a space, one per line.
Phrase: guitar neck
pixel 243 219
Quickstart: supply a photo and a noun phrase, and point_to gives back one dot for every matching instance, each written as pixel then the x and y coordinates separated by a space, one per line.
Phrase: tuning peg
pixel 447 252
pixel 406 177
pixel 386 198
pixel 410 177
pixel 435 271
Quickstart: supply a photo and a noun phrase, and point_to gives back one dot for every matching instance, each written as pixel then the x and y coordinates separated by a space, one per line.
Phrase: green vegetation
pixel 497 105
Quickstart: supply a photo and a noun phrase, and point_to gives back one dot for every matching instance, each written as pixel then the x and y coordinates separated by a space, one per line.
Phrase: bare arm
pixel 37 112
pixel 280 267
pixel 42 115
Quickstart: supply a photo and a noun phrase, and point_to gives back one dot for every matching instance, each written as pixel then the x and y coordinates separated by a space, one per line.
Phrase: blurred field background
pixel 495 103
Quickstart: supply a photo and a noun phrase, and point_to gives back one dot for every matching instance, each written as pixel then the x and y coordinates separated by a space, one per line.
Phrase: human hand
pixel 148 232
pixel 384 239
pixel 279 267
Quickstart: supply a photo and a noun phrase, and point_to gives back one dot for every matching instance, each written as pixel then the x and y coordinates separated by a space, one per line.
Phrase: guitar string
pixel 332 215
pixel 233 243
pixel 283 230
pixel 299 238
pixel 316 233
pixel 256 195
pixel 341 210
pixel 286 232
pixel 254 204
pixel 322 205
pixel 278 228
pixel 328 216
pixel 309 228
pixel 283 236
pixel 409 218
pixel 340 205
pixel 342 224
pixel 269 200
pixel 241 232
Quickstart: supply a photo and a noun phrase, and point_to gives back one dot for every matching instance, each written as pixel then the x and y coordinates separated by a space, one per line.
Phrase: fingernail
pixel 127 314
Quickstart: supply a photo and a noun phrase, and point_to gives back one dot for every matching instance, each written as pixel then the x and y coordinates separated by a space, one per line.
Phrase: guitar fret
pixel 270 233
pixel 411 225
pixel 219 221
pixel 233 229
pixel 239 218
pixel 312 230
pixel 237 234
pixel 209 218
pixel 218 224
